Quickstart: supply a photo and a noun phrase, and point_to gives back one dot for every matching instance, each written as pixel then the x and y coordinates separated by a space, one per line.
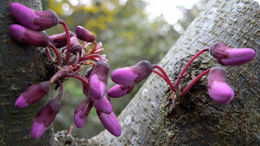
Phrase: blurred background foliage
pixel 127 35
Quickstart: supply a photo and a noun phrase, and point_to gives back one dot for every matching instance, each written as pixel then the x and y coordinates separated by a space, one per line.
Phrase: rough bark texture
pixel 20 66
pixel 197 120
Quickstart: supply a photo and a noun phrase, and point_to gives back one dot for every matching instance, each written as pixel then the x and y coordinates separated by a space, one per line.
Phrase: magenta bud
pixel 218 89
pixel 32 19
pixel 46 19
pixel 110 123
pixel 44 118
pixel 75 45
pixel 103 105
pixel 27 36
pixel 60 40
pixel 119 91
pixel 32 94
pixel 84 35
pixel 81 112
pixel 124 76
pixel 231 56
pixel 98 80
pixel 97 87
pixel 129 76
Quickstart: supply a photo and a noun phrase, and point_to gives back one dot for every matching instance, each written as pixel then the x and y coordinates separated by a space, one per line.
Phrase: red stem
pixel 168 81
pixel 92 56
pixel 65 72
pixel 86 45
pixel 98 51
pixel 75 72
pixel 71 126
pixel 48 52
pixel 194 81
pixel 57 75
pixel 61 90
pixel 84 80
pixel 159 74
pixel 187 65
pixel 77 58
pixel 57 53
pixel 68 38
pixel 94 48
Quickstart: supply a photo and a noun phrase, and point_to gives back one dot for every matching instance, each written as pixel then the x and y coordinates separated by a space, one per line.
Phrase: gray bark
pixel 150 117
pixel 20 66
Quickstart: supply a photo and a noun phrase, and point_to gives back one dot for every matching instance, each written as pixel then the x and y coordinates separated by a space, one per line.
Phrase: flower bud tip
pixel 37 130
pixel 20 102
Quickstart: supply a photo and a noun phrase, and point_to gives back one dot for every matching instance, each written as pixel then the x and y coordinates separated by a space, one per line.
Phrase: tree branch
pixel 198 120
pixel 20 67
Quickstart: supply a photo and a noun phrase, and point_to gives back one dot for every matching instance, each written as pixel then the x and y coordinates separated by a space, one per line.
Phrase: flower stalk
pixel 194 81
pixel 68 38
pixel 168 81
pixel 187 65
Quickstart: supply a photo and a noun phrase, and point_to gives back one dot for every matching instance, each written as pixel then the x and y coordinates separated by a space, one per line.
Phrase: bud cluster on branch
pixel 73 53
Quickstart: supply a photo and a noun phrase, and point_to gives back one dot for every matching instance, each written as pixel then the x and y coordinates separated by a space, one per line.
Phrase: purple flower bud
pixel 110 123
pixel 27 36
pixel 81 113
pixel 33 19
pixel 98 80
pixel 119 91
pixel 103 105
pixel 129 76
pixel 75 45
pixel 44 118
pixel 218 89
pixel 46 19
pixel 60 40
pixel 32 94
pixel 84 35
pixel 231 56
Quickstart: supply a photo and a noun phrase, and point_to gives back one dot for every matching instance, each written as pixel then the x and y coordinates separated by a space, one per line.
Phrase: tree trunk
pixel 20 66
pixel 150 117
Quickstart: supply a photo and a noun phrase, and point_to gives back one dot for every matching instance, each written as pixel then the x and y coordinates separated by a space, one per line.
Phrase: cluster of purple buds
pixel 31 23
pixel 32 19
pixel 218 88
pixel 126 78
pixel 96 97
pixel 71 57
